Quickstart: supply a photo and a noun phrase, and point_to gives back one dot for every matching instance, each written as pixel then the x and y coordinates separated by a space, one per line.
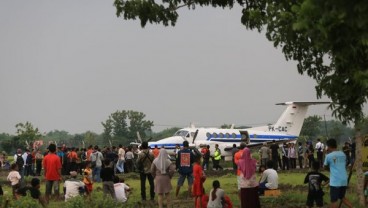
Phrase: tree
pixel 165 133
pixel 328 39
pixel 124 125
pixel 311 127
pixel 27 134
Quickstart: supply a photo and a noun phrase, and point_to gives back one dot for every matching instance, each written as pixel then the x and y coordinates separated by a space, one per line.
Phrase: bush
pixel 22 202
pixel 97 200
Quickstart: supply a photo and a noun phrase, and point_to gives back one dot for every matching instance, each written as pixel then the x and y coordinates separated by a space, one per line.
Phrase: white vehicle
pixel 287 128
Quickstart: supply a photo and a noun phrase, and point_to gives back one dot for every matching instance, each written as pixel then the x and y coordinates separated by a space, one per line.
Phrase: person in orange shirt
pixel 87 178
pixel 156 151
pixel 73 157
pixel 89 152
pixel 237 157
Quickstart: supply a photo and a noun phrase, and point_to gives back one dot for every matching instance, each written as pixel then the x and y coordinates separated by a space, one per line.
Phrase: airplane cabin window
pixel 208 135
pixel 214 135
pixel 221 135
pixel 227 135
pixel 233 135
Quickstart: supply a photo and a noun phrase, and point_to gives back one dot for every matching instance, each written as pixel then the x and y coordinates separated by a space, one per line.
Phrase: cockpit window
pixel 182 133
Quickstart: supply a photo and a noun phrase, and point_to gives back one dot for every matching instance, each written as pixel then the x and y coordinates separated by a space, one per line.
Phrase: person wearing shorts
pixel 52 168
pixel 335 162
pixel 184 164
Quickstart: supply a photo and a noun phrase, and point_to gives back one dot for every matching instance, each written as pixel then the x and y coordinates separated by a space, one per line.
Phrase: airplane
pixel 286 129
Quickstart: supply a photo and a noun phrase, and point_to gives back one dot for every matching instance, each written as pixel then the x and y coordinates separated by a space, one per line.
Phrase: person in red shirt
pixel 237 157
pixel 199 179
pixel 52 167
pixel 156 151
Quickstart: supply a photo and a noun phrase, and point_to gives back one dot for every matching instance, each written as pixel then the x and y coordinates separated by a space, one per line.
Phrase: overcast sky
pixel 68 65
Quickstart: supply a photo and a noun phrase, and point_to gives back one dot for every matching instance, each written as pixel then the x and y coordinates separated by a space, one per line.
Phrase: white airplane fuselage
pixel 287 128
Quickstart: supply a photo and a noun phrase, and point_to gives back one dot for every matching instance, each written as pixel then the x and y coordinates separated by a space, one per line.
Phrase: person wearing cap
pixel 73 187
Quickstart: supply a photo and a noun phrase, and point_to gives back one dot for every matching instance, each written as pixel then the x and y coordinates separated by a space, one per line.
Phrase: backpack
pixel 140 163
pixel 29 159
pixel 20 161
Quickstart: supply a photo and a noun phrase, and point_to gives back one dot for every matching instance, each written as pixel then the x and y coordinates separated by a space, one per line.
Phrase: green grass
pixel 294 192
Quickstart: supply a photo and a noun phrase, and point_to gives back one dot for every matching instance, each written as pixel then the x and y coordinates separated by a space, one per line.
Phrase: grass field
pixel 294 192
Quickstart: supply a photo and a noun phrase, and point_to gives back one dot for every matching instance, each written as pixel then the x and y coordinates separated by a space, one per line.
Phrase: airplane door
pixel 244 136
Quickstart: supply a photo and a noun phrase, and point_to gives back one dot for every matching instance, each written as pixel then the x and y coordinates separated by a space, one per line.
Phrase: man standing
pixel 52 169
pixel 300 155
pixel 155 151
pixel 206 157
pixel 121 161
pixel 233 151
pixel 20 160
pixel 320 148
pixel 145 159
pixel 275 154
pixel 96 161
pixel 264 153
pixel 185 168
pixel 335 162
pixel 217 158
pixel 285 158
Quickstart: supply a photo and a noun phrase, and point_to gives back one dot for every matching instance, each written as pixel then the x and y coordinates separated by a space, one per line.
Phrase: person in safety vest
pixel 217 158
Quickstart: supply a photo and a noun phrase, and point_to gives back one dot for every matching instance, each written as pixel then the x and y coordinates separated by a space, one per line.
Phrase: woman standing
pixel 162 170
pixel 248 183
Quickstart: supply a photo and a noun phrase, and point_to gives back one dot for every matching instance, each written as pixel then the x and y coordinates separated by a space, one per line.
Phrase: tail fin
pixel 292 119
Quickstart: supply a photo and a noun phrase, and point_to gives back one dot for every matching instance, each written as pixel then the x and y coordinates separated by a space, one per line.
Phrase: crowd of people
pixel 95 165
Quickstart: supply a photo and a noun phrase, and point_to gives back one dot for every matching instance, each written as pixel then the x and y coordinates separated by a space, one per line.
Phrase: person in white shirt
pixel 121 190
pixel 320 150
pixel 73 187
pixel 216 196
pixel 14 178
pixel 121 160
pixel 270 178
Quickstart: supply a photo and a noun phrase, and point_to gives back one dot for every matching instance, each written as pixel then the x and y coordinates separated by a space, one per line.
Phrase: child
pixel 87 178
pixel 199 178
pixel 315 179
pixel 14 178
pixel 121 189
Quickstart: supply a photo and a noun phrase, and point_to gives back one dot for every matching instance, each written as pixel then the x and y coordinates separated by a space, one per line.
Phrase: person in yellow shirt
pixel 87 178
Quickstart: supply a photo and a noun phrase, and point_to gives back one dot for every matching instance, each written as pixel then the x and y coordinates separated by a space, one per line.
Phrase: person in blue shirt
pixel 184 165
pixel 335 162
